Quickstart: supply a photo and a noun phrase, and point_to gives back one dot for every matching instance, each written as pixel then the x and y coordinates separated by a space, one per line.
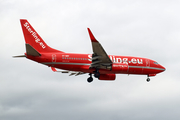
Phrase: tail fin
pixel 34 43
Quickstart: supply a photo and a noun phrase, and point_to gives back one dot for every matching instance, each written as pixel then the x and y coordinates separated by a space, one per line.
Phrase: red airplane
pixel 102 65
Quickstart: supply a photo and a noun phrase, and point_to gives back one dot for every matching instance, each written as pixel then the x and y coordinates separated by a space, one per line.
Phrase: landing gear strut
pixel 90 79
pixel 96 74
pixel 148 79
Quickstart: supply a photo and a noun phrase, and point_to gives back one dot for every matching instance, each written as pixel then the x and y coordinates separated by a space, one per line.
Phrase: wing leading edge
pixel 100 59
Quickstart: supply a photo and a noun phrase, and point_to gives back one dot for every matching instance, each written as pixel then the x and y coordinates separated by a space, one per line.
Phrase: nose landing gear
pixel 148 79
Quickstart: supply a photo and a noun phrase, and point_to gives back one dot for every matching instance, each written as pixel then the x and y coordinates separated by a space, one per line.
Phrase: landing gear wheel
pixel 148 79
pixel 90 79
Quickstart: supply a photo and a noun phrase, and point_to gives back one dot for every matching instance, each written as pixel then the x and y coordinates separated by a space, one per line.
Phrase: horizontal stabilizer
pixel 19 56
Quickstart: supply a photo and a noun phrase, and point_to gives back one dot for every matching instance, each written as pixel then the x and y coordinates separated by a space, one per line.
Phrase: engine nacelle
pixel 107 77
pixel 120 67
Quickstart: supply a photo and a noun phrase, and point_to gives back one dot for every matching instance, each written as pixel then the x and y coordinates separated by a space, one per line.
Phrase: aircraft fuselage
pixel 82 62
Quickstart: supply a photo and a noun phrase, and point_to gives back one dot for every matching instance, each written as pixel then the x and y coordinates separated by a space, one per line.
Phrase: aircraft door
pixel 53 58
pixel 147 63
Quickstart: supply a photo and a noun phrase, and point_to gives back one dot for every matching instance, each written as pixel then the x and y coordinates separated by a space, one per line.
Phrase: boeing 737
pixel 99 63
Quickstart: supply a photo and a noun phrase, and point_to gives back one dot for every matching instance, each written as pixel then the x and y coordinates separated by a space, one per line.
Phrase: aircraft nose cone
pixel 163 68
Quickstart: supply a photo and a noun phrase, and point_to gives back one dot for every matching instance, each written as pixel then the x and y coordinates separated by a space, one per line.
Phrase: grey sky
pixel 150 29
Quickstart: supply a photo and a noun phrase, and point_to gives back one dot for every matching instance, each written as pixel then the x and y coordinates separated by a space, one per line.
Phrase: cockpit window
pixel 156 63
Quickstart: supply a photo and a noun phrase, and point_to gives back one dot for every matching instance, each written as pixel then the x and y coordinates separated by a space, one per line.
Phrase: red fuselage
pixel 82 62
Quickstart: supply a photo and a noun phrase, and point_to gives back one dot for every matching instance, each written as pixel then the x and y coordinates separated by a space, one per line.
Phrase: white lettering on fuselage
pixel 34 34
pixel 126 60
pixel 117 65
pixel 90 57
pixel 115 59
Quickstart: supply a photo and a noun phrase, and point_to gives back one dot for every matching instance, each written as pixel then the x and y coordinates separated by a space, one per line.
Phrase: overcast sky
pixel 143 28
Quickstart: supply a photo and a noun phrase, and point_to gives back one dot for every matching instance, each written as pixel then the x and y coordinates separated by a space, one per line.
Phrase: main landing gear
pixel 96 75
pixel 90 79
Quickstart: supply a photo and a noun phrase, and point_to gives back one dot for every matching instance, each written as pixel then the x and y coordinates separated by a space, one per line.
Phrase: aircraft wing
pixel 100 58
pixel 71 72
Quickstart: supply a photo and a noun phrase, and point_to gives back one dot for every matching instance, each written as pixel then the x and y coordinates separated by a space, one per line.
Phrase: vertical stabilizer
pixel 33 39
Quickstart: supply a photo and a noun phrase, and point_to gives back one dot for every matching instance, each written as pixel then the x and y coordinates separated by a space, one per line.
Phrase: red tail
pixel 33 39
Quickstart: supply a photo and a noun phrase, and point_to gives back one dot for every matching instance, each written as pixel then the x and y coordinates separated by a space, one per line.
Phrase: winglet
pixel 93 39
pixel 53 69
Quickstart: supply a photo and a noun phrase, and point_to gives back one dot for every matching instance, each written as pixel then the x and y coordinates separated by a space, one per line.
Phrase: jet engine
pixel 107 77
